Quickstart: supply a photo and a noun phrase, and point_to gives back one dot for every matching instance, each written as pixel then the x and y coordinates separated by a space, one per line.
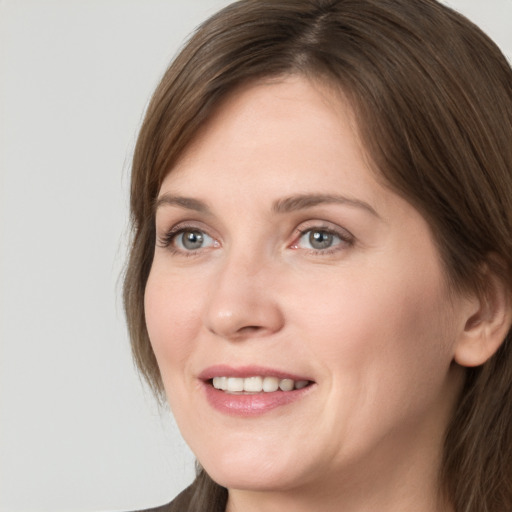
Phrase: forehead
pixel 289 126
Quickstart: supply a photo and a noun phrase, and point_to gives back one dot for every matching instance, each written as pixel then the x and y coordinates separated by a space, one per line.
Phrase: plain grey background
pixel 78 430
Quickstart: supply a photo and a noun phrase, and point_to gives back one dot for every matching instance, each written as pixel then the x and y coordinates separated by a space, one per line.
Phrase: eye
pixel 191 240
pixel 187 240
pixel 321 239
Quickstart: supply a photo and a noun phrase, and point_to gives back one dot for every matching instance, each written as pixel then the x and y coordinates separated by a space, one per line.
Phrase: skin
pixel 370 319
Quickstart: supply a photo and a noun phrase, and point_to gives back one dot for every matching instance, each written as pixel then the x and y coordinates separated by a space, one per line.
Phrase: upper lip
pixel 223 370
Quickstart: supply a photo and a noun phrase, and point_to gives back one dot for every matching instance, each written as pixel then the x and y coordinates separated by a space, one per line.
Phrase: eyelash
pixel 167 240
pixel 346 239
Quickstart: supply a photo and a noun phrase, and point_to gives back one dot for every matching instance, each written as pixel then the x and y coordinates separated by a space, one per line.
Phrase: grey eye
pixel 192 240
pixel 320 239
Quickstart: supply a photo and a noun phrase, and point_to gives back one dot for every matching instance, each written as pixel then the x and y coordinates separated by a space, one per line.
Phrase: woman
pixel 321 265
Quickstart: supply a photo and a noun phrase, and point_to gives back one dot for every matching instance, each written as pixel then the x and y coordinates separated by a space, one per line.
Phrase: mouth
pixel 252 390
pixel 257 384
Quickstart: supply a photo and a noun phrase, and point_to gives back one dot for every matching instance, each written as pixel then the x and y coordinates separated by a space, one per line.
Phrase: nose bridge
pixel 242 301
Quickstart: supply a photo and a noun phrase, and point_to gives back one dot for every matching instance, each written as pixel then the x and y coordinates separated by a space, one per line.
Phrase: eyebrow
pixel 187 203
pixel 285 205
pixel 304 201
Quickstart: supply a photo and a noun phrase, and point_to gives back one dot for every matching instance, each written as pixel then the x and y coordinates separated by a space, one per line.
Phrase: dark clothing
pixel 204 495
pixel 179 504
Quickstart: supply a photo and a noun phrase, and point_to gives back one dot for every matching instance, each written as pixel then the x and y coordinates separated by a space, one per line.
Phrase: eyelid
pixel 165 239
pixel 346 237
pixel 323 225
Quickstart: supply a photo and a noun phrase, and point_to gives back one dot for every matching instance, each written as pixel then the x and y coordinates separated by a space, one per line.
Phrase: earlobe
pixel 487 325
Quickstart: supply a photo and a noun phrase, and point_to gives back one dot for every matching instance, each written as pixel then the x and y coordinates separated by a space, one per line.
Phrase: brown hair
pixel 433 98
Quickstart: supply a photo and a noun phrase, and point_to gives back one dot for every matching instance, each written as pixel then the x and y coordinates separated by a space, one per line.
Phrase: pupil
pixel 192 240
pixel 320 239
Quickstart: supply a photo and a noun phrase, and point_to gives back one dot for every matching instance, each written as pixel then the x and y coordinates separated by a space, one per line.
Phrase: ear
pixel 487 323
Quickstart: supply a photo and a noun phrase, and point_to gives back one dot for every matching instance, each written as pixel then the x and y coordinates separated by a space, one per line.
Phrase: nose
pixel 243 301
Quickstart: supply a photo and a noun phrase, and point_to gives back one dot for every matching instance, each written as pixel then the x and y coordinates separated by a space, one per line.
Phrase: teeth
pixel 301 384
pixel 256 384
pixel 221 383
pixel 286 385
pixel 270 384
pixel 253 384
pixel 235 384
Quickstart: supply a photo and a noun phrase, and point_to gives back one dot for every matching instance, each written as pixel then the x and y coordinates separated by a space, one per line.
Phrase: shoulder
pixel 204 495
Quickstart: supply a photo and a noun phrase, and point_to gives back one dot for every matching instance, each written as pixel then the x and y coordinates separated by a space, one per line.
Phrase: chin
pixel 253 473
pixel 252 479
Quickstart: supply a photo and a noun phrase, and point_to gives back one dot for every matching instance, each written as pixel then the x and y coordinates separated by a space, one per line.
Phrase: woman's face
pixel 281 261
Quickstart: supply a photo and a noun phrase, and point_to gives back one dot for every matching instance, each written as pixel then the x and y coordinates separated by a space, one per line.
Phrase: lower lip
pixel 251 404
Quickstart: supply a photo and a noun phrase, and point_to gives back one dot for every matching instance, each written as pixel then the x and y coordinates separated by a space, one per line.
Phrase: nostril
pixel 249 331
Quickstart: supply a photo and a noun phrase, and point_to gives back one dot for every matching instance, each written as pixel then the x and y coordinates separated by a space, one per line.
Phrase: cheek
pixel 381 328
pixel 172 312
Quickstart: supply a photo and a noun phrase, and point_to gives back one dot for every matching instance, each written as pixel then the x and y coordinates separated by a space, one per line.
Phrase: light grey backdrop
pixel 78 432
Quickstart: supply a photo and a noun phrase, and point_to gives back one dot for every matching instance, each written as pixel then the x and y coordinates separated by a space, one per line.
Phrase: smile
pixel 257 384
pixel 246 391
